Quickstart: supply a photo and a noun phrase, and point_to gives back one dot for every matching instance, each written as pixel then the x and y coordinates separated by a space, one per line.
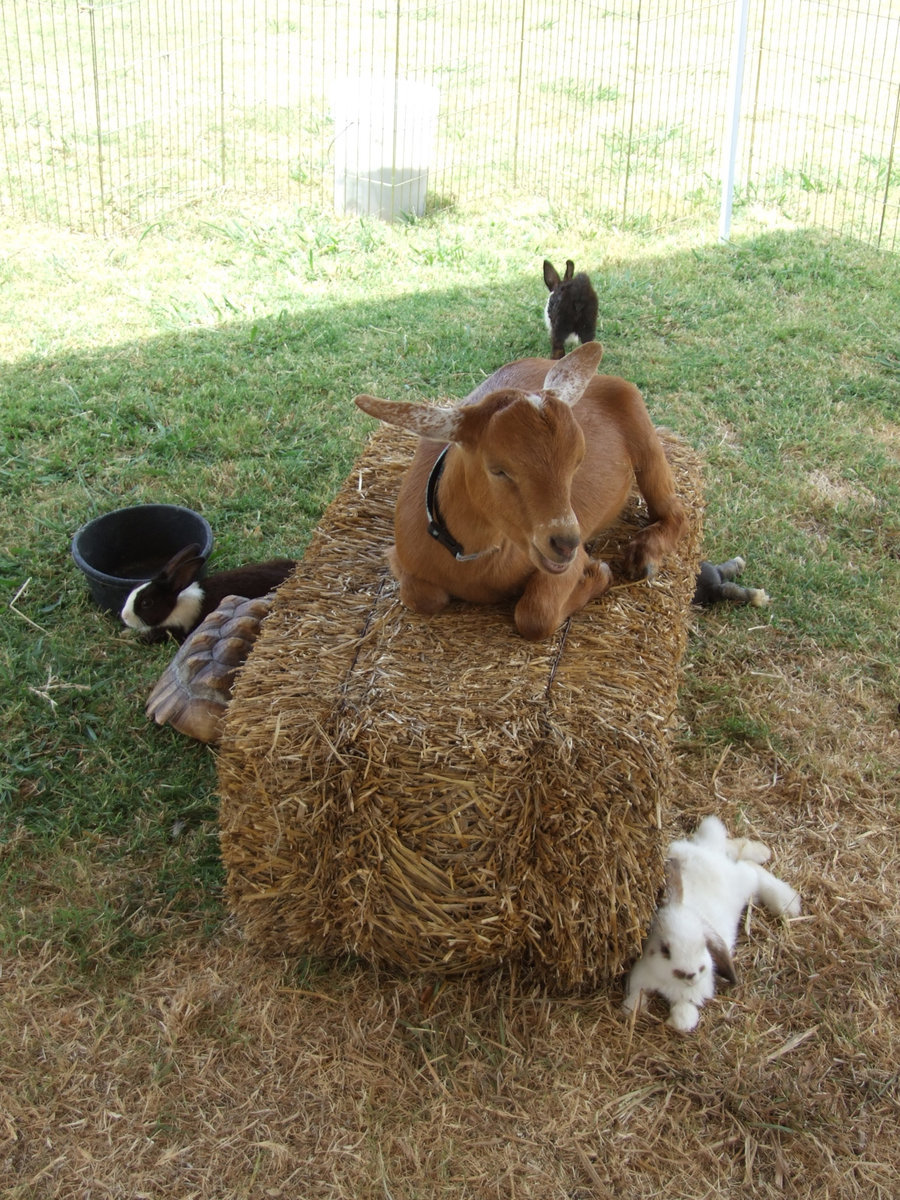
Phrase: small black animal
pixel 571 311
pixel 715 583
pixel 176 600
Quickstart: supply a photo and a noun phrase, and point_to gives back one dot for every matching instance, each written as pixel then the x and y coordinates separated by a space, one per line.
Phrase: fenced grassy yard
pixel 115 113
pixel 212 361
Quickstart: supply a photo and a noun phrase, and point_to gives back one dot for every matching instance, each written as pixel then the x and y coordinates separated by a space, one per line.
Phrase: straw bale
pixel 437 794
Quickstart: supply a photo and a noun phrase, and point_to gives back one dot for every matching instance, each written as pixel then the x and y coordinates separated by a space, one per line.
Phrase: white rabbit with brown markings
pixel 710 880
pixel 571 309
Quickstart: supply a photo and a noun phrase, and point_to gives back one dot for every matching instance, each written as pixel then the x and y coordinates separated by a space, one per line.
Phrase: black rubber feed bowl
pixel 126 547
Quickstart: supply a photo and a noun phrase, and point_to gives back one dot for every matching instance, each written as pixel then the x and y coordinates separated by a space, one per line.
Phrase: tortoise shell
pixel 194 691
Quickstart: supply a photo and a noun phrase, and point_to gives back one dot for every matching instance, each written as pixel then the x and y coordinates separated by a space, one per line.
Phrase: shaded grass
pixel 757 354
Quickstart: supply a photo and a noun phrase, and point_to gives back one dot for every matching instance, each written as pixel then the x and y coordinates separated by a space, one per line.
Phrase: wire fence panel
pixel 820 138
pixel 113 113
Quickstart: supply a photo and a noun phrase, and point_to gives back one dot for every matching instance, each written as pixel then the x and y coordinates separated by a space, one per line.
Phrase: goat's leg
pixel 549 599
pixel 422 597
pixel 645 551
pixel 418 594
pixel 667 516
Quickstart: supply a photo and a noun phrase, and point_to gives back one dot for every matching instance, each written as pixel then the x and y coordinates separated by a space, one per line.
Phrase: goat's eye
pixel 665 951
pixel 499 473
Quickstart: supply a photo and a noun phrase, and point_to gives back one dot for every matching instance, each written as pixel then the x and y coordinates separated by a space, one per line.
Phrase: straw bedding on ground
pixel 216 1072
pixel 438 794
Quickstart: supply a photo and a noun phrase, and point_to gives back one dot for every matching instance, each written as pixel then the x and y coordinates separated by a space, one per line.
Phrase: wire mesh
pixel 115 112
pixel 821 136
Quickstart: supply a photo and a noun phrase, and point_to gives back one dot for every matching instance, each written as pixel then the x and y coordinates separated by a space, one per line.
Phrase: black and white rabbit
pixel 710 880
pixel 571 310
pixel 176 600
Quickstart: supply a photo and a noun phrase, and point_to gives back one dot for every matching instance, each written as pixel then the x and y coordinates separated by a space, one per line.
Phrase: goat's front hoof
pixel 598 577
pixel 637 566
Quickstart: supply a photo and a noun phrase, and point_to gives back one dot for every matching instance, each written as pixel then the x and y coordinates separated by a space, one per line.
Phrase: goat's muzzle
pixel 565 546
pixel 558 554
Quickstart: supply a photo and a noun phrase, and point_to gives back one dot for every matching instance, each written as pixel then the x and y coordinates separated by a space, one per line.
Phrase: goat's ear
pixel 569 376
pixel 428 421
pixel 721 956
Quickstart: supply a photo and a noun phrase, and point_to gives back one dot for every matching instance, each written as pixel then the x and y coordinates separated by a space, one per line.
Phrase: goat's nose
pixel 564 546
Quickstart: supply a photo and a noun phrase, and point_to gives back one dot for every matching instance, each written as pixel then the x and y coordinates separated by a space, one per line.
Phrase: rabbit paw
pixel 684 1016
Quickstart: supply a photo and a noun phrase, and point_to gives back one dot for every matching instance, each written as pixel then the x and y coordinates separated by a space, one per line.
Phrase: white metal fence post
pixel 734 115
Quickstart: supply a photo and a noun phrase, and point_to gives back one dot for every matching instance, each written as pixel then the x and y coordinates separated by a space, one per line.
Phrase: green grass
pixel 213 363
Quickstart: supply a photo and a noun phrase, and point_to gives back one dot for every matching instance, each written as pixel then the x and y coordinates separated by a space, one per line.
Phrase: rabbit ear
pixel 551 275
pixel 182 568
pixel 721 956
pixel 570 269
pixel 674 882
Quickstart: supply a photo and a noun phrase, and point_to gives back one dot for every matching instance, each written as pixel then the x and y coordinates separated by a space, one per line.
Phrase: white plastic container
pixel 383 145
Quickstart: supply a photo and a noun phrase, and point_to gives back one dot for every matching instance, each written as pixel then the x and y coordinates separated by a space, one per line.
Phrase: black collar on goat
pixel 436 525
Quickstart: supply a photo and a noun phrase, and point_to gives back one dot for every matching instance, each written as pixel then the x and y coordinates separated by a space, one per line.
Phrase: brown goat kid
pixel 541 458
